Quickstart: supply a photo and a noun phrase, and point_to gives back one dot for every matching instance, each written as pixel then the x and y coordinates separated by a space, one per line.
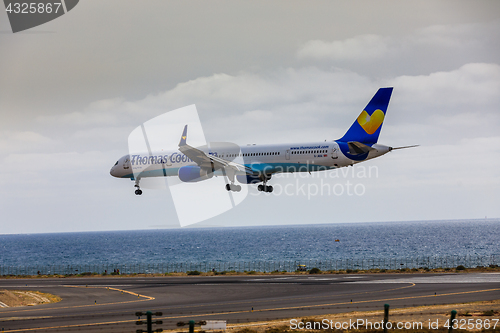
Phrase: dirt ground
pixel 425 314
pixel 13 298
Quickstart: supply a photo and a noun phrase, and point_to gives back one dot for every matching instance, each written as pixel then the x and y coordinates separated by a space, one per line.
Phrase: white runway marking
pixel 98 285
pixel 32 286
pixel 452 278
pixel 353 277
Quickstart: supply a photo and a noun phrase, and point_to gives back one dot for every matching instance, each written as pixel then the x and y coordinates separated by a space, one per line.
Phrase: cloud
pixel 291 104
pixel 358 48
pixel 460 36
pixel 113 111
pixel 242 104
pixel 264 80
pixel 440 47
pixel 447 106
pixel 449 113
pixel 54 174
pixel 475 84
pixel 12 141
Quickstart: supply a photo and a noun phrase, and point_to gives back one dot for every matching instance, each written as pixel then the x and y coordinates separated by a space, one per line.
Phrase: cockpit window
pixel 116 163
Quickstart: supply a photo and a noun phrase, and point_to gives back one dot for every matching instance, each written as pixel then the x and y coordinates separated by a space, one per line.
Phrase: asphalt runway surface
pixel 108 304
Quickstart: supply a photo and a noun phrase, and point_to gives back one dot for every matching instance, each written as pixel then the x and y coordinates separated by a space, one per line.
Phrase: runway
pixel 108 304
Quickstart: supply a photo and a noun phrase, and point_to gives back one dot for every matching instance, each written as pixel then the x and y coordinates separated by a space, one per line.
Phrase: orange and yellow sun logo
pixel 371 123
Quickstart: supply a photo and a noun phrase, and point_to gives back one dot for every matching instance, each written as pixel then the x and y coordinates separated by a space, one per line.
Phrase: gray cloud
pixel 289 73
pixel 357 48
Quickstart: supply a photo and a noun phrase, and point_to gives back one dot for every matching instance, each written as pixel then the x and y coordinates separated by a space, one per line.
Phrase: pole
pixel 149 322
pixel 191 326
pixel 452 318
pixel 386 316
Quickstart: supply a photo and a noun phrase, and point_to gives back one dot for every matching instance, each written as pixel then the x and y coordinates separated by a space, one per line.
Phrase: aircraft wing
pixel 211 162
pixel 239 168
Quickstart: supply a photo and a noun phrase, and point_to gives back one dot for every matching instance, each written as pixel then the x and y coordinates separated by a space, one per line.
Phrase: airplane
pixel 253 164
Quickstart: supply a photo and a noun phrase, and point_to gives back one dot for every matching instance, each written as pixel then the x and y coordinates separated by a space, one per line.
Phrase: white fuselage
pixel 271 158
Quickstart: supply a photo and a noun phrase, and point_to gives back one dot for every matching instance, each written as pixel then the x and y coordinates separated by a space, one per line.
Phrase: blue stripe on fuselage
pixel 268 168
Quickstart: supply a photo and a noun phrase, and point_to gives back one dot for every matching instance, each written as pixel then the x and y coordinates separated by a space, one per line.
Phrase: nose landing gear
pixel 138 190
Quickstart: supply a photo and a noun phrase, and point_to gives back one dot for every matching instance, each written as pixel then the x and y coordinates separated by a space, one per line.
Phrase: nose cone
pixel 113 171
pixel 121 167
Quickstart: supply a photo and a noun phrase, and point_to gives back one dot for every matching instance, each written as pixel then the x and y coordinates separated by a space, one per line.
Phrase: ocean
pixel 382 240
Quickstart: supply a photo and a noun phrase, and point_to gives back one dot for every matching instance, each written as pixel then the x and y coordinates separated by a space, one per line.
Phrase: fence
pixel 259 266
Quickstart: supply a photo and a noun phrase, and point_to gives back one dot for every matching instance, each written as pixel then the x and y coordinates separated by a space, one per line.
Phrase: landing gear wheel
pixel 265 188
pixel 138 188
pixel 232 187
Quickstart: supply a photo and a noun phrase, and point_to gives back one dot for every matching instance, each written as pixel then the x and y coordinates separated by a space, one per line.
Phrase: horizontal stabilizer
pixel 358 148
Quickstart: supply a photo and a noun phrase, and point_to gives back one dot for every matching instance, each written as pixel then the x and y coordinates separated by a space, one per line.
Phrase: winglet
pixel 183 137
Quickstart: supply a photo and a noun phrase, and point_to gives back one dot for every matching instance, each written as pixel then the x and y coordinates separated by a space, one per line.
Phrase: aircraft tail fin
pixel 182 142
pixel 367 126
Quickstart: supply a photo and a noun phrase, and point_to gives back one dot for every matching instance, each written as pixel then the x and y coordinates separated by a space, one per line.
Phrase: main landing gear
pixel 230 176
pixel 264 187
pixel 232 187
pixel 138 190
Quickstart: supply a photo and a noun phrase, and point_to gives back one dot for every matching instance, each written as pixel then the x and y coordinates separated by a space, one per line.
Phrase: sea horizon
pixel 194 227
pixel 333 241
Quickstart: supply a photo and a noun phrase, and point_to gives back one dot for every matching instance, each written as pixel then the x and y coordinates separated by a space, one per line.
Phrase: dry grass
pixel 14 298
pixel 476 310
pixel 233 273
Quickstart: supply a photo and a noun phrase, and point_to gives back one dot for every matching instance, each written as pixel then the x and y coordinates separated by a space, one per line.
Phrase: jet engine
pixel 193 173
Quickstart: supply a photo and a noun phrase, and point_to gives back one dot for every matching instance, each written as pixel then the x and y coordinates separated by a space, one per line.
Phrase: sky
pixel 73 89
